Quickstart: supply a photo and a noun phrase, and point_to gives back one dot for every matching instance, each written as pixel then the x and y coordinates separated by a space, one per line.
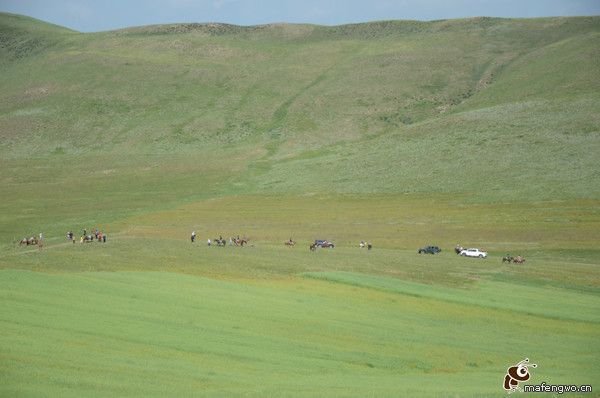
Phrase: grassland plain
pixel 483 132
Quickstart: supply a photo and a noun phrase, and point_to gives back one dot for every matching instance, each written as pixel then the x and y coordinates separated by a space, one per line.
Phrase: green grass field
pixel 483 132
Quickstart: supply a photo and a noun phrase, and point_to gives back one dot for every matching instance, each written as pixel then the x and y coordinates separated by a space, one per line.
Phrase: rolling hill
pixel 491 109
pixel 279 94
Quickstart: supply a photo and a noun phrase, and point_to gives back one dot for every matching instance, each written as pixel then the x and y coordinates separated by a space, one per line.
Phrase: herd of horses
pixel 85 238
pixel 510 259
pixel 222 242
pixel 29 241
pixel 90 238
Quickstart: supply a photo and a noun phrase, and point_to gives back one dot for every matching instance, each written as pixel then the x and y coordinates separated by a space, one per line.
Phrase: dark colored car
pixel 324 243
pixel 429 250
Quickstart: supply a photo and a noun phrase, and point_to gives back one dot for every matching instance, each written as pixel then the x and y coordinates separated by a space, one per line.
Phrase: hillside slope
pixel 509 106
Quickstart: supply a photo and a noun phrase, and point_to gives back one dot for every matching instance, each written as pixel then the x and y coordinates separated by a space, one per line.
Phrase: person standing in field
pixel 208 241
pixel 193 237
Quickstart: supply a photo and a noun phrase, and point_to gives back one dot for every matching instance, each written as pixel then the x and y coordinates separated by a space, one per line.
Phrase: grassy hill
pixel 288 92
pixel 481 131
pixel 492 108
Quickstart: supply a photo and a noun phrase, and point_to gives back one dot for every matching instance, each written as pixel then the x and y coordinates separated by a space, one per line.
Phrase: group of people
pixel 220 241
pixel 85 237
pixel 364 244
pixel 510 259
pixel 33 241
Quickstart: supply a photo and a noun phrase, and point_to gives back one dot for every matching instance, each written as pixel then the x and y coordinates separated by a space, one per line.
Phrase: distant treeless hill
pixel 390 106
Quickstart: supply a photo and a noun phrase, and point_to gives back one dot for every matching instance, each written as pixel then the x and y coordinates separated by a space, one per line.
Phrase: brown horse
pixel 28 241
pixel 289 243
pixel 518 260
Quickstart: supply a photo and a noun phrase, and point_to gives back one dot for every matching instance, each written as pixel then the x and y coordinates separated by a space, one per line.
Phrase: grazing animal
pixel 289 243
pixel 518 260
pixel 458 249
pixel 507 259
pixel 313 247
pixel 88 238
pixel 28 241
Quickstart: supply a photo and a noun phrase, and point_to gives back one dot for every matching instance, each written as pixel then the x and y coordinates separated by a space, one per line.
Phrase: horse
pixel 88 238
pixel 312 247
pixel 518 260
pixel 289 243
pixel 220 242
pixel 507 259
pixel 241 242
pixel 28 241
pixel 458 249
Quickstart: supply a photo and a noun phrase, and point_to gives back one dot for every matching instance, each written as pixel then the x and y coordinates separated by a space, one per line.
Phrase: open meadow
pixel 481 132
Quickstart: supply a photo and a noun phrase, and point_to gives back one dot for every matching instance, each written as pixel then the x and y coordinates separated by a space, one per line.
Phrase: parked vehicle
pixel 429 250
pixel 324 243
pixel 473 253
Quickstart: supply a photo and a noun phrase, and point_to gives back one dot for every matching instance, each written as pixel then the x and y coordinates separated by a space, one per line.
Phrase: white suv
pixel 473 253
